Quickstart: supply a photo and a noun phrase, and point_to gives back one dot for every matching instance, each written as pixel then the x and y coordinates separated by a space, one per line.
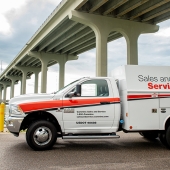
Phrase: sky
pixel 20 19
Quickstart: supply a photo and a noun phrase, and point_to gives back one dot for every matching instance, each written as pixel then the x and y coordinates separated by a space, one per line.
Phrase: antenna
pixel 1 66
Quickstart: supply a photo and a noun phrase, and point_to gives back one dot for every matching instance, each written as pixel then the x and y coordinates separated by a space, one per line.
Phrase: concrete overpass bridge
pixel 78 26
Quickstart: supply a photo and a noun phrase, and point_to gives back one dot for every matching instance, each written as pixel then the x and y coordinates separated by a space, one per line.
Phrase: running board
pixel 91 137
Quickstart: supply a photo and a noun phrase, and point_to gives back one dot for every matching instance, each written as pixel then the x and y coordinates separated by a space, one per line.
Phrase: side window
pixel 95 87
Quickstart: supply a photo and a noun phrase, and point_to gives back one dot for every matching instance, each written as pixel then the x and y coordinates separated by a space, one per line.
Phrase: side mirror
pixel 76 93
pixel 78 90
pixel 71 94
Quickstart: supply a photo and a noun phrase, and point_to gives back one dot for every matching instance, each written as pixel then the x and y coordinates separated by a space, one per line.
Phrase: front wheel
pixel 41 135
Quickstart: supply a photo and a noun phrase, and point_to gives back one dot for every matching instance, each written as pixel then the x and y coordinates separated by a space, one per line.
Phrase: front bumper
pixel 13 124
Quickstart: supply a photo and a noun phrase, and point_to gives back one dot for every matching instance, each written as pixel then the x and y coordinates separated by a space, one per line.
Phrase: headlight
pixel 16 110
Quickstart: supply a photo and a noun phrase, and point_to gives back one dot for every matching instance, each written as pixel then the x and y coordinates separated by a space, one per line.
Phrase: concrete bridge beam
pixel 103 26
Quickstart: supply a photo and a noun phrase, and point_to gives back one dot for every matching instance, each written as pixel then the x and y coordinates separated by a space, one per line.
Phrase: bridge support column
pixel 24 77
pixel 13 80
pixel 5 85
pixel 4 94
pixel 25 70
pixel 45 58
pixel 44 70
pixel 21 87
pixel 62 61
pixel 36 82
pixel 132 50
pixel 12 89
pixel 1 92
pixel 103 26
pixel 101 53
pixel 62 72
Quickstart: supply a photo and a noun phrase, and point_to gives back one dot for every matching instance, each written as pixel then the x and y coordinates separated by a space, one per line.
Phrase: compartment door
pixel 144 114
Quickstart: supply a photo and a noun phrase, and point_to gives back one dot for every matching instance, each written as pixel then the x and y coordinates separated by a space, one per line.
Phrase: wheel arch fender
pixel 40 115
pixel 166 123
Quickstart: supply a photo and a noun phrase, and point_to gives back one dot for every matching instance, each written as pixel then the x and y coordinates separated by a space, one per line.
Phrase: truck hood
pixel 36 102
pixel 30 98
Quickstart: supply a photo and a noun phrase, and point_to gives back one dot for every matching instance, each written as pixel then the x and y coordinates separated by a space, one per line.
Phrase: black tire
pixel 149 135
pixel 167 136
pixel 141 133
pixel 41 135
pixel 162 138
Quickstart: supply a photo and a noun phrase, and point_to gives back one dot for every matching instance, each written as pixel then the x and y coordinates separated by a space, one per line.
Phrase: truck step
pixel 90 136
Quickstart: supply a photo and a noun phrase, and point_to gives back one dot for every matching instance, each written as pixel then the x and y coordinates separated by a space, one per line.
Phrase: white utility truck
pixel 133 99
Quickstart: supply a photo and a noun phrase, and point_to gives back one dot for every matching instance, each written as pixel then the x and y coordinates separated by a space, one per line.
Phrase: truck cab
pixel 86 108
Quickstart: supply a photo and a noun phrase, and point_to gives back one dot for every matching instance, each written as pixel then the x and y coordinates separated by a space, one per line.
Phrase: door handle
pixel 105 102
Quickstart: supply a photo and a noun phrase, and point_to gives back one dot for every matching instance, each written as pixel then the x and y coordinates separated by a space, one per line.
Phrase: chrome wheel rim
pixel 42 135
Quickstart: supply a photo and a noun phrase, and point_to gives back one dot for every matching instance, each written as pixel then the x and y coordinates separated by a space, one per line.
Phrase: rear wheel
pixel 141 133
pixel 149 135
pixel 41 135
pixel 167 137
pixel 162 138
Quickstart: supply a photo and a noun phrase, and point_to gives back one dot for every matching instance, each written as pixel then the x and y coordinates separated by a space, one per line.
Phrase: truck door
pixel 93 111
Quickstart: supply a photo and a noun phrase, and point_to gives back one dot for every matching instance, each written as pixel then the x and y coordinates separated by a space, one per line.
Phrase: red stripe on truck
pixel 52 104
pixel 82 102
pixel 163 95
pixel 40 105
pixel 138 96
pixel 147 96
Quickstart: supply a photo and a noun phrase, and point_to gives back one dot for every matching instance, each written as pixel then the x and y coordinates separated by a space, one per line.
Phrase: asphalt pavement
pixel 131 151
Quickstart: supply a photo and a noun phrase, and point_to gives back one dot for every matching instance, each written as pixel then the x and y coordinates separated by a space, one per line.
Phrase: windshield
pixel 66 87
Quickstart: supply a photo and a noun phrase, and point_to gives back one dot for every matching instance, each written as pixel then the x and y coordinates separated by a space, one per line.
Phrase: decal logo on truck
pixel 86 122
pixel 154 95
pixel 69 110
pixel 151 82
pixel 158 86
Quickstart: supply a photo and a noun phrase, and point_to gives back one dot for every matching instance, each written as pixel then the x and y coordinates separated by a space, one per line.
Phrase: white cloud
pixel 11 4
pixel 13 9
pixel 55 2
pixel 5 27
pixel 163 32
pixel 5 7
pixel 34 21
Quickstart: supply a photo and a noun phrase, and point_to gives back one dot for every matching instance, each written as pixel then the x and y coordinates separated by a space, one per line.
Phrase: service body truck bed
pixel 134 99
pixel 145 96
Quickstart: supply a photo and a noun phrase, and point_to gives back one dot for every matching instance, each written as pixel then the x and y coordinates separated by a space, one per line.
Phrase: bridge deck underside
pixel 69 37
